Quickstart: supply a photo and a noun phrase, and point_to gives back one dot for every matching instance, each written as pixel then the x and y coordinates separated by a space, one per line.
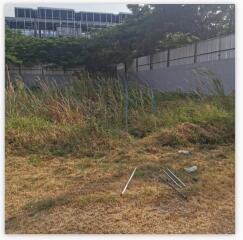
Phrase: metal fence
pixel 40 70
pixel 203 51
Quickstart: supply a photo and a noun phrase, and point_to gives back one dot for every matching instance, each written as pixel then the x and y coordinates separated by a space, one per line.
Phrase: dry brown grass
pixel 186 134
pixel 82 195
pixel 68 156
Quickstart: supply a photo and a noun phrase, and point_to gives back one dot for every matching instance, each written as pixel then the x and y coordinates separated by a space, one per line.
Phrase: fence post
pixel 136 64
pixel 150 62
pixel 219 55
pixel 168 58
pixel 153 102
pixel 195 52
pixel 126 98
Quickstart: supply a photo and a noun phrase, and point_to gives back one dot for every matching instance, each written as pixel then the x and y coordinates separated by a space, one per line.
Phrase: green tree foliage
pixel 11 39
pixel 148 29
pixel 28 50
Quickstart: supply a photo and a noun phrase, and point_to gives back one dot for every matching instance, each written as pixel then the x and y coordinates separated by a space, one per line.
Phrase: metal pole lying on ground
pixel 128 181
pixel 176 177
pixel 178 185
pixel 171 185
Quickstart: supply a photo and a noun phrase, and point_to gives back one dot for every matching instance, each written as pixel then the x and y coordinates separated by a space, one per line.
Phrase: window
pixel 84 16
pixel 90 17
pixel 108 17
pixel 41 13
pixel 28 24
pixel 20 12
pixel 9 24
pixel 77 16
pixel 41 25
pixel 113 18
pixel 84 28
pixel 20 25
pixel 71 25
pixel 64 24
pixel 70 15
pixel 12 24
pixel 33 13
pixel 48 25
pixel 27 13
pixel 49 13
pixel 56 14
pixel 97 17
pixel 63 14
pixel 117 18
pixel 103 17
pixel 56 25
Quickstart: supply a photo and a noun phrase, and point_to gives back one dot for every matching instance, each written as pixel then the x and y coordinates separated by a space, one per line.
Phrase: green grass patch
pixel 34 207
pixel 34 160
pixel 99 198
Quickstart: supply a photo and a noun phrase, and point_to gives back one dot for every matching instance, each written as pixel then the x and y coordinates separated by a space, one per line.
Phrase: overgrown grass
pixel 87 116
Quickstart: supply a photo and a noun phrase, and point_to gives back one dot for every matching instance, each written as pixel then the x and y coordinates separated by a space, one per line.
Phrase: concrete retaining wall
pixel 33 75
pixel 191 77
pixel 181 68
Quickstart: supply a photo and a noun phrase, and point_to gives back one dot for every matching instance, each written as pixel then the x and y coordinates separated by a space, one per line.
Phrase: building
pixel 52 22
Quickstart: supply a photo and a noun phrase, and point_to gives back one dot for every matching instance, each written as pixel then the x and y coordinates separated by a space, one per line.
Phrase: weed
pixel 34 160
pixel 45 204
pixel 139 173
pixel 106 198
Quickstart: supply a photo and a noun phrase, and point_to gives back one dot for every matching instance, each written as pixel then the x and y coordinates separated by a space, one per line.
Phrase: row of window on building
pixel 71 15
pixel 48 25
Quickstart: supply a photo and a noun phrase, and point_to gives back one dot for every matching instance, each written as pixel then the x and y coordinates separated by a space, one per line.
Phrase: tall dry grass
pixel 88 115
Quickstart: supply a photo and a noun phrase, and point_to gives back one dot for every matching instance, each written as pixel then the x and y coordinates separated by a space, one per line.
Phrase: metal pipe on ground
pixel 128 181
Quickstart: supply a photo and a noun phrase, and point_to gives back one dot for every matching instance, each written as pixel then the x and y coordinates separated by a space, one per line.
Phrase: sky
pixel 96 7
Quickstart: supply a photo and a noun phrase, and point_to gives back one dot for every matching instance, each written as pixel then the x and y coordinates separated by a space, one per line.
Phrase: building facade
pixel 53 22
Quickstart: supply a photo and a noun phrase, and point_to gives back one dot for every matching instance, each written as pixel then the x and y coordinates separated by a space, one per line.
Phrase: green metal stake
pixel 126 99
pixel 153 102
pixel 154 106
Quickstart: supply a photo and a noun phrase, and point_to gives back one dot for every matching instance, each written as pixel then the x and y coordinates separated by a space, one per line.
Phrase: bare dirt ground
pixel 82 195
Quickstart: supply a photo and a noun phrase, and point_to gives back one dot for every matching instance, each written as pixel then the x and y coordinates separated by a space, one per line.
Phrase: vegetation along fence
pixel 33 74
pixel 203 51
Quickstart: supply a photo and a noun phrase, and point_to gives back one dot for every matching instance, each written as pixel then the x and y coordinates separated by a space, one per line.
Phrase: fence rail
pixel 203 51
pixel 40 70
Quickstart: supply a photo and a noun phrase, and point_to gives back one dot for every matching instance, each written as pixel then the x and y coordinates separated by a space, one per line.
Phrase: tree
pixel 159 26
pixel 148 29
